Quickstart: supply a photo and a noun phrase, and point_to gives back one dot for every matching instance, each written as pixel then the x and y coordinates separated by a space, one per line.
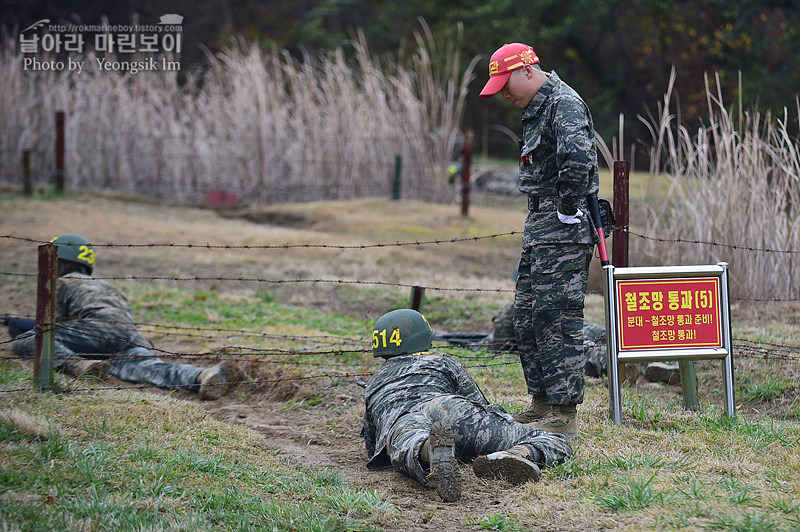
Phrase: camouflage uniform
pixel 558 170
pixel 594 339
pixel 409 393
pixel 94 317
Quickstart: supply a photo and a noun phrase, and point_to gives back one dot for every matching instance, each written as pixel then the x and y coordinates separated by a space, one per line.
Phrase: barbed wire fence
pixel 342 357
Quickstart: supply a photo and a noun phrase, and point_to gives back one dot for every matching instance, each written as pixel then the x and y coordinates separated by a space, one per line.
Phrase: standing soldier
pixel 594 340
pixel 558 169
pixel 423 412
pixel 95 318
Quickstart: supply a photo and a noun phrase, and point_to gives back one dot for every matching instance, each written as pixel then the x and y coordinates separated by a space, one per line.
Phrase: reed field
pixel 731 194
pixel 263 125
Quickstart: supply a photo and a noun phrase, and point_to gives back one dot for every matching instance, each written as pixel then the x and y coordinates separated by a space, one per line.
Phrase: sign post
pixel 668 313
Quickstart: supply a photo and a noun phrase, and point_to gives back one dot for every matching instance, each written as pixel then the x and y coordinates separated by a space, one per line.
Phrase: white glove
pixel 574 219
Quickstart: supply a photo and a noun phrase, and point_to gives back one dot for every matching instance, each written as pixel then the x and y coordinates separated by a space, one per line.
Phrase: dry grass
pixel 32 426
pixel 736 183
pixel 264 125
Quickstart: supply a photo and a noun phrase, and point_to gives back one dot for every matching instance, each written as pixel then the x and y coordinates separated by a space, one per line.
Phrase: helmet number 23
pixel 379 338
pixel 86 254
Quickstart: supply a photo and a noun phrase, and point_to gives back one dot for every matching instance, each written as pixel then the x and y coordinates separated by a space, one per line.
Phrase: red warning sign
pixel 669 313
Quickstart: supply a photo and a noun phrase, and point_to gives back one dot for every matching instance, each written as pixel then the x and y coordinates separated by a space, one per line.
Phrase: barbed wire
pixel 348 282
pixel 199 278
pixel 316 339
pixel 261 381
pixel 625 229
pixel 488 350
pixel 285 246
pixel 707 243
pixel 287 356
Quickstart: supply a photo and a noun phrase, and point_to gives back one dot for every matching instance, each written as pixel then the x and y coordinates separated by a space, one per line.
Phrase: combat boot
pixel 439 452
pixel 515 465
pixel 80 367
pixel 539 408
pixel 213 381
pixel 560 420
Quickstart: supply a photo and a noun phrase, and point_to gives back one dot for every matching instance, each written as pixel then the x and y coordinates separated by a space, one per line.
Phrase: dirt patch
pixel 274 216
pixel 330 436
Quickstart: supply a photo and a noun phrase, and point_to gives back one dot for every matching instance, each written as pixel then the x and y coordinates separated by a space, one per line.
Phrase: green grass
pixel 187 307
pixel 767 390
pixel 131 461
pixel 635 494
pixel 105 465
pixel 502 523
pixel 12 377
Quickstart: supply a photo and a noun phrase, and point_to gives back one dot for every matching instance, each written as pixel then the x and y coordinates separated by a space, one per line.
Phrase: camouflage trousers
pixel 548 319
pixel 478 430
pixel 126 349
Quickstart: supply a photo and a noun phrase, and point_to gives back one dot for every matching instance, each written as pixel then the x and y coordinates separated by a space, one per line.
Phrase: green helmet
pixel 75 248
pixel 401 332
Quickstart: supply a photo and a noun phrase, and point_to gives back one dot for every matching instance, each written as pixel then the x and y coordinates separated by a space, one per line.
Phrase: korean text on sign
pixel 669 313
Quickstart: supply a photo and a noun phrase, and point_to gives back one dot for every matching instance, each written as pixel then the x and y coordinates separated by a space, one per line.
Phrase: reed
pixel 262 124
pixel 734 188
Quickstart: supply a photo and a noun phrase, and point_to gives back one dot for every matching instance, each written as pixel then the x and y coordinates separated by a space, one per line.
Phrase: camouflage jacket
pixel 558 159
pixel 403 382
pixel 80 296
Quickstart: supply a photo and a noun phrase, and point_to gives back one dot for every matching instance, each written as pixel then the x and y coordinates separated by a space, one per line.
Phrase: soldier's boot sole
pixel 445 476
pixel 506 466
pixel 213 381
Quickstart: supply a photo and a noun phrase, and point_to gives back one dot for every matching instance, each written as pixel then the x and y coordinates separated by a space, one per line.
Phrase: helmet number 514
pixel 379 338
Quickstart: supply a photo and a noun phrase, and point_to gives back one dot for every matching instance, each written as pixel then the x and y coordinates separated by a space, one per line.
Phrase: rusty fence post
pixel 621 206
pixel 27 185
pixel 465 172
pixel 619 242
pixel 398 166
pixel 58 179
pixel 45 317
pixel 416 297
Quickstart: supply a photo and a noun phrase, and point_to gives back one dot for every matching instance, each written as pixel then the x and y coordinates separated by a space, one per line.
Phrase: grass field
pixel 282 450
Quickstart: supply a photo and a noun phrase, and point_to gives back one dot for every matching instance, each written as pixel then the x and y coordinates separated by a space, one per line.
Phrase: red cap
pixel 504 61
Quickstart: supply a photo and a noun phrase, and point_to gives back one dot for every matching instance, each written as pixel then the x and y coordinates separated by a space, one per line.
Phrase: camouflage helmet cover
pixel 401 332
pixel 75 248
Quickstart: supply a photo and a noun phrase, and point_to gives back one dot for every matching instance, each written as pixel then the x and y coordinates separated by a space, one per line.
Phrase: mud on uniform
pixel 558 170
pixel 411 392
pixel 94 317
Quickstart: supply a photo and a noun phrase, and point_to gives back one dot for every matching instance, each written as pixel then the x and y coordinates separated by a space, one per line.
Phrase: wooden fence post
pixel 465 172
pixel 45 317
pixel 619 242
pixel 416 297
pixel 398 164
pixel 58 179
pixel 27 185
